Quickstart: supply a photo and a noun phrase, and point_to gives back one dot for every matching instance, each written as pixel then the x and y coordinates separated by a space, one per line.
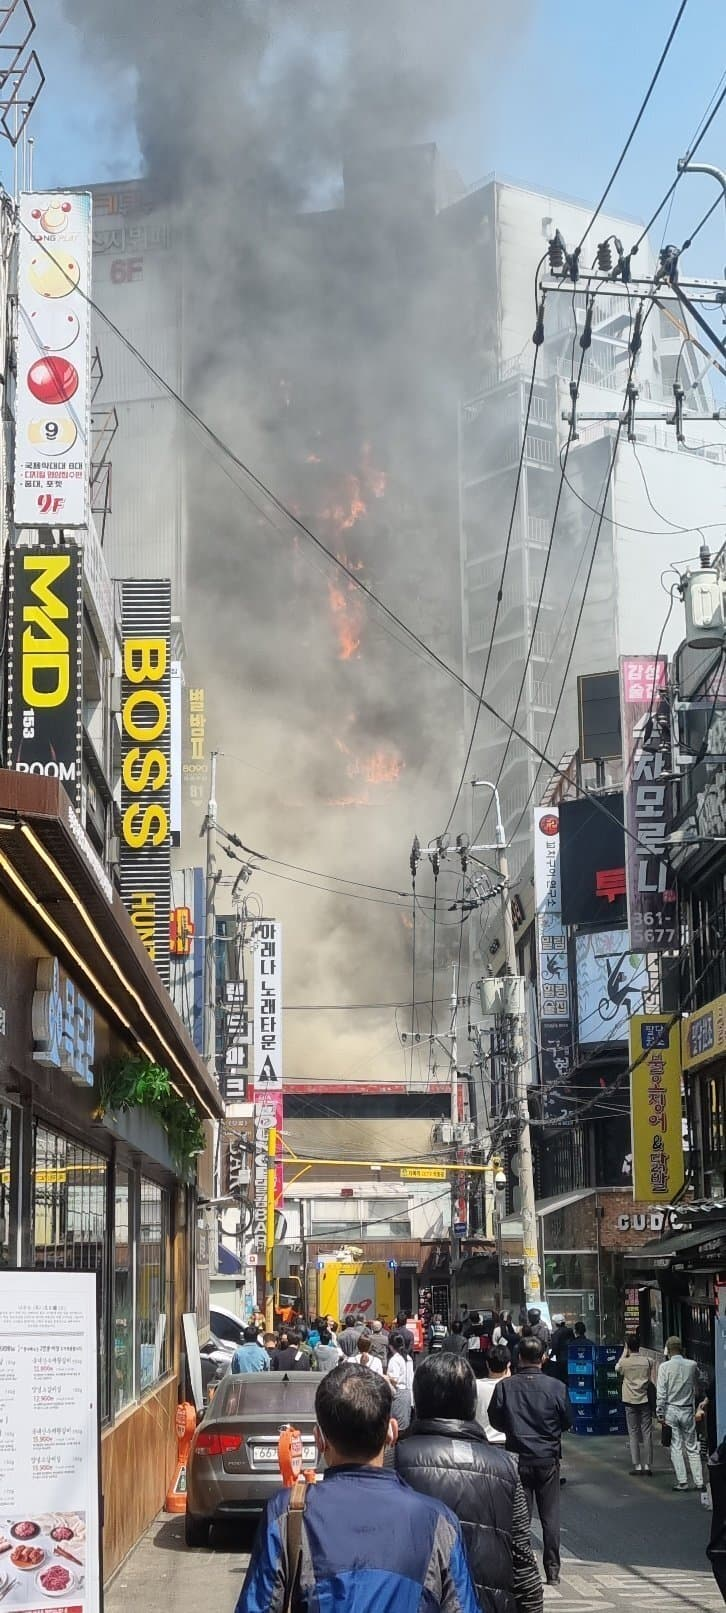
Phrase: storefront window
pixel 153 1284
pixel 123 1388
pixel 5 1124
pixel 69 1221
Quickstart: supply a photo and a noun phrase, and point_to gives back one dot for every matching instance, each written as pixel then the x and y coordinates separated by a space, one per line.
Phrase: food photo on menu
pixel 43 1562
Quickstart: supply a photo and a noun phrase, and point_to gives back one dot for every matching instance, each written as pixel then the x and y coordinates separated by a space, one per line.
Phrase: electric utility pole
pixel 532 1284
pixel 210 949
pixel 513 1012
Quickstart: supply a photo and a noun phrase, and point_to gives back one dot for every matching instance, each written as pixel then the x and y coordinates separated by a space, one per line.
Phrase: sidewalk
pixel 162 1576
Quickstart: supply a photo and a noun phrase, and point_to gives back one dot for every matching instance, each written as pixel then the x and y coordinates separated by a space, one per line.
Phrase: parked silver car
pixel 232 1468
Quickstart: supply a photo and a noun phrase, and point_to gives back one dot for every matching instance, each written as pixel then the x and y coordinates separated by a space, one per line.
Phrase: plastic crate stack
pixel 594 1389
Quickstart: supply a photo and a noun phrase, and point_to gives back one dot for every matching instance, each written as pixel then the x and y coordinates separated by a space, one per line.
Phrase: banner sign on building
pixel 50 1448
pixel 196 758
pixel 267 1037
pixel 187 943
pixel 612 985
pixel 45 665
pixel 705 1034
pixel 655 1098
pixel 145 857
pixel 553 981
pixel 53 397
pixel 652 902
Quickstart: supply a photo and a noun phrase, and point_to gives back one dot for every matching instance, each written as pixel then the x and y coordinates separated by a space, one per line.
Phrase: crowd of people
pixel 435 1457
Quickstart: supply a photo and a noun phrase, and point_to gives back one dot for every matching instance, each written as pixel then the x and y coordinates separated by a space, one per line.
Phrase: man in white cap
pixel 562 1336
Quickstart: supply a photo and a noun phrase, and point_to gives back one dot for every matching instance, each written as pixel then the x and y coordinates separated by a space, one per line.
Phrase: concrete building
pixel 625 604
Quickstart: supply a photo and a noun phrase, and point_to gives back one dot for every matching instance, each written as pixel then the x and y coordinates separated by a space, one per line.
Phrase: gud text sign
pixel 655 1097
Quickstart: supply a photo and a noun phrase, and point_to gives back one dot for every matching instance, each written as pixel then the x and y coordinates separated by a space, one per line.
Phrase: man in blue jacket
pixel 367 1540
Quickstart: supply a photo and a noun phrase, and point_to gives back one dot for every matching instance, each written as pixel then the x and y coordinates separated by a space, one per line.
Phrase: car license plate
pixel 268 1453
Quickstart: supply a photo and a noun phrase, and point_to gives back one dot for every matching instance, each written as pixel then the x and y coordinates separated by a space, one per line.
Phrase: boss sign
pixel 146 764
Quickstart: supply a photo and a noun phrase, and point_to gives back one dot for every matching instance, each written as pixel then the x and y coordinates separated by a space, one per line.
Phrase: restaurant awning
pixel 50 872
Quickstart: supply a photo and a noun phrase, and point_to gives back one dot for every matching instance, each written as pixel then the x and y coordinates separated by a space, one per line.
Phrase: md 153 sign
pixel 45 665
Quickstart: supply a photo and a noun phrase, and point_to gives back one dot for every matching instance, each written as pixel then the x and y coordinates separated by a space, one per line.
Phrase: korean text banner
pixel 268 1083
pixel 655 1099
pixel 145 856
pixel 45 665
pixel 652 903
pixel 705 1034
pixel 553 982
pixel 53 398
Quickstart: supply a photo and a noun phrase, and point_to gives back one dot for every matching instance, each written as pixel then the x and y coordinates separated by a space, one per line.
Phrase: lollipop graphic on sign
pixel 54 328
pixel 54 217
pixel 53 272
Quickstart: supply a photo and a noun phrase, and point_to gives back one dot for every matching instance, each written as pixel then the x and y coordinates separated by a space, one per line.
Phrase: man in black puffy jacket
pixel 446 1454
pixel 533 1411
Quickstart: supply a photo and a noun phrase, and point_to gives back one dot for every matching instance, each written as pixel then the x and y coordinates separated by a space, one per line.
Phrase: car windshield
pixel 273 1393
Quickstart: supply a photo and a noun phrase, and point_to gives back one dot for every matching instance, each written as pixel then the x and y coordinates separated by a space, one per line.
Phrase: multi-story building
pixel 622 602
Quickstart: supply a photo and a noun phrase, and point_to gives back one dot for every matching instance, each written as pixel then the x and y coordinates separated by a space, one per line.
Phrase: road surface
pixel 629 1546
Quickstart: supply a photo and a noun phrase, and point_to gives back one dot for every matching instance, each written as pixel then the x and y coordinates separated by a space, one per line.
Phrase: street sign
pixel 460 1229
pixel 423 1173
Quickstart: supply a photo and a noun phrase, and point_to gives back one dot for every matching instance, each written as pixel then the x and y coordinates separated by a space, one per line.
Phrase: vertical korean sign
pixel 655 1101
pixel 267 943
pixel 652 903
pixel 553 981
pixel 49 1440
pixel 145 858
pixel 53 398
pixel 45 665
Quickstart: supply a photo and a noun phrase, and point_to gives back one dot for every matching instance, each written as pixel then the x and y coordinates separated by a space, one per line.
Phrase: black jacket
pixel 455 1344
pixel 561 1338
pixel 455 1463
pixel 532 1411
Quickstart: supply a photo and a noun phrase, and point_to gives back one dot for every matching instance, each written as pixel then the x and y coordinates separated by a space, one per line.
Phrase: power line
pixel 584 345
pixel 693 148
pixel 634 130
pixel 538 339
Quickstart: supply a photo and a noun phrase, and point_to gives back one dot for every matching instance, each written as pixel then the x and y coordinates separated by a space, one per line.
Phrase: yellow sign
pixel 145 718
pixel 705 1034
pixel 655 1102
pixel 423 1173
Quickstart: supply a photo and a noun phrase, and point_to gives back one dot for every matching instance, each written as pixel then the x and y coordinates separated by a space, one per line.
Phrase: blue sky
pixel 571 83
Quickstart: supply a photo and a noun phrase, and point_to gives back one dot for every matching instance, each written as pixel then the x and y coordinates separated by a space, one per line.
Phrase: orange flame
pixel 346 605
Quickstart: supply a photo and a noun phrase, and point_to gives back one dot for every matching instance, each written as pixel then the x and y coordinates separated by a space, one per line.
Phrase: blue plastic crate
pixel 579 1366
pixel 577 1353
pixel 607 1354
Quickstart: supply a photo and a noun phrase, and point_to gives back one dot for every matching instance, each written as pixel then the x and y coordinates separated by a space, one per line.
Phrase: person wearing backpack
pixel 361 1537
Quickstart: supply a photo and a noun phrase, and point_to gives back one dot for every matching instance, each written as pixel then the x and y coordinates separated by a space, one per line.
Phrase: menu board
pixel 49 1455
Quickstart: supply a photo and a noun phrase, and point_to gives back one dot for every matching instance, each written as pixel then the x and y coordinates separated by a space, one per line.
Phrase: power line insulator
pixel 605 256
pixel 556 252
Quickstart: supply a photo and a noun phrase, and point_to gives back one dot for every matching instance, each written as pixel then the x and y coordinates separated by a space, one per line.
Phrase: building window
pixel 124 1362
pixel 69 1219
pixel 153 1296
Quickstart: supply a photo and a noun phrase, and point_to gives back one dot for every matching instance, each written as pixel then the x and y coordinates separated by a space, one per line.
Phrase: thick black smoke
pixel 333 319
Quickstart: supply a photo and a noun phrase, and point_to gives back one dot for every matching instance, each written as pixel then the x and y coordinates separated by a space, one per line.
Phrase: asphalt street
pixel 629 1546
